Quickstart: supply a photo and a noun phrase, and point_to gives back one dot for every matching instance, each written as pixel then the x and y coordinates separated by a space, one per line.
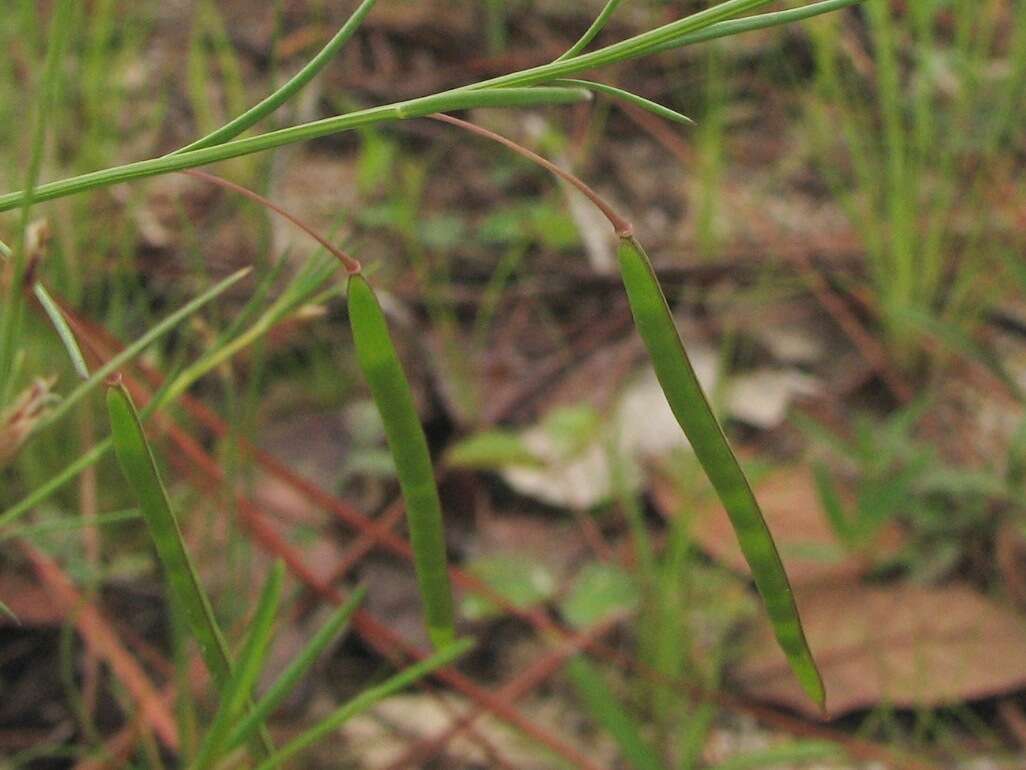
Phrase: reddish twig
pixel 351 264
pixel 97 631
pixel 621 226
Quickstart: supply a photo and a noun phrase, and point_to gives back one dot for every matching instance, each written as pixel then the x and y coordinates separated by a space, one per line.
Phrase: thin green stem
pixel 13 309
pixel 259 111
pixel 495 92
pixel 413 108
pixel 592 32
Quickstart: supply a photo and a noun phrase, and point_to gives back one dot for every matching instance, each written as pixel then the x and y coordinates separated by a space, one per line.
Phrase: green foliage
pixel 599 591
pixel 520 581
pixel 691 408
pixel 616 720
pixel 912 152
pixel 490 450
pixel 384 372
pixel 900 479
pixel 140 471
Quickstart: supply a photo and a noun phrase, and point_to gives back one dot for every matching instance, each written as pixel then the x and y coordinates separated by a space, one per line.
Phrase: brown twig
pixel 351 264
pixel 97 631
pixel 621 226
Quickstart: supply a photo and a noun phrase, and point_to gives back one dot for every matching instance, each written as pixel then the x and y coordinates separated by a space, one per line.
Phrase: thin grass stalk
pixel 295 671
pixel 592 32
pixel 156 332
pixel 248 668
pixel 413 108
pixel 366 700
pixel 12 312
pixel 289 89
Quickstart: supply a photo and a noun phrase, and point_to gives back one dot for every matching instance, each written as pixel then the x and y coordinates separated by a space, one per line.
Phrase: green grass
pixel 924 136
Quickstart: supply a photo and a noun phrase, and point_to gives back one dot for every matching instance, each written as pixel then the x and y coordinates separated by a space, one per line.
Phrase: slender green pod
pixel 391 391
pixel 691 408
pixel 140 471
pixel 186 593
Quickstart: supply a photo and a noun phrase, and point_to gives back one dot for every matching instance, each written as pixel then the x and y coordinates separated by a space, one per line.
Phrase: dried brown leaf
pixel 902 645
pixel 808 546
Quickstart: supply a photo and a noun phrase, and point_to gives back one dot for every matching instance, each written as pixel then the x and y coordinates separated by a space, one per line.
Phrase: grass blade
pixel 366 700
pixel 60 325
pixel 788 753
pixel 11 311
pixel 285 683
pixel 605 709
pixel 138 346
pixel 275 100
pixel 299 291
pixel 592 32
pixel 391 391
pixel 247 669
pixel 5 610
pixel 752 23
pixel 691 408
pixel 68 524
pixel 639 101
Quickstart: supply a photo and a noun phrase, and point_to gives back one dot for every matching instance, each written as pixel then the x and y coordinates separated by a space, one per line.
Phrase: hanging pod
pixel 691 408
pixel 391 391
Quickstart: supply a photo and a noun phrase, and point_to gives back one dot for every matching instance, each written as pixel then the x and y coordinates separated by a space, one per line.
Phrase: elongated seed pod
pixel 691 408
pixel 140 471
pixel 391 391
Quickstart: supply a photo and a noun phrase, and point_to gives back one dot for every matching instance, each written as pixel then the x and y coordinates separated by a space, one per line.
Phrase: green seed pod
pixel 391 391
pixel 140 471
pixel 691 408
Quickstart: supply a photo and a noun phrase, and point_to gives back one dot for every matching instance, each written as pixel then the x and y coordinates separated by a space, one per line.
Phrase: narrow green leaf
pixel 47 98
pixel 367 700
pixel 391 391
pixel 752 23
pixel 298 292
pixel 294 84
pixel 690 406
pixel 60 325
pixel 639 101
pixel 137 347
pixel 491 450
pixel 832 506
pixel 605 708
pixel 295 671
pixel 248 667
pixel 788 753
pixel 5 610
pixel 185 590
pixel 592 32
pixel 69 524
